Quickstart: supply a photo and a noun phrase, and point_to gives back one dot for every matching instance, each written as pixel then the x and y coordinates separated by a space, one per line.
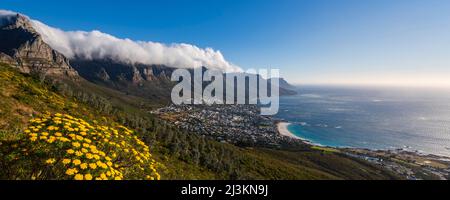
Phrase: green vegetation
pixel 182 155
pixel 326 149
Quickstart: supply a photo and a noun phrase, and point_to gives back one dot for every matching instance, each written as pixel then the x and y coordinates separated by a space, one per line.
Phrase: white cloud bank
pixel 6 16
pixel 98 45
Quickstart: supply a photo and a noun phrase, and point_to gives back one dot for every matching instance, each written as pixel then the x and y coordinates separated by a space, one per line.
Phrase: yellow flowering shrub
pixel 71 148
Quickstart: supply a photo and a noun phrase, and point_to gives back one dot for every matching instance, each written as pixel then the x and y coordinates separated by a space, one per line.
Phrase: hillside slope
pixel 182 155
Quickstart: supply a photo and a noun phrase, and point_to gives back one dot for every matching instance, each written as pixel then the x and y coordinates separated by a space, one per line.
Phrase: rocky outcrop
pixel 148 81
pixel 110 71
pixel 22 47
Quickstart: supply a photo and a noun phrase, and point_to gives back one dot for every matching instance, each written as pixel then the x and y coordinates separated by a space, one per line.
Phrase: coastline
pixel 429 164
pixel 282 128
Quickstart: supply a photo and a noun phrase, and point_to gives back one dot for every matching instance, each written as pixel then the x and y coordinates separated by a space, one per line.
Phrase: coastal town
pixel 235 124
pixel 242 125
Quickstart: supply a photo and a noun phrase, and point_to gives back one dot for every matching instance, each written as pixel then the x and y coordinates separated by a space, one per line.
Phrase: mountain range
pixel 26 49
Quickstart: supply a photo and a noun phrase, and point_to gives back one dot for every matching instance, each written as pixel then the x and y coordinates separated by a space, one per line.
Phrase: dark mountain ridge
pixel 146 80
pixel 149 81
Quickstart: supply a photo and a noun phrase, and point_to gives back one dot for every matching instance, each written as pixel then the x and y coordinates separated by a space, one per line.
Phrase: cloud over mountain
pixel 99 45
pixel 6 16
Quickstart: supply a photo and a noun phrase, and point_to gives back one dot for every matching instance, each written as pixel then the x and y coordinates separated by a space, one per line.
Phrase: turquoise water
pixel 374 118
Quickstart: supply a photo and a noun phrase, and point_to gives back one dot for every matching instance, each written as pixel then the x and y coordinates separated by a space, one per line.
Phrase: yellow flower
pixel 89 156
pixel 76 162
pixel 58 134
pixel 83 166
pixel 103 176
pixel 51 139
pixel 78 153
pixel 75 144
pixel 70 151
pixel 33 139
pixel 71 171
pixel 93 165
pixel 44 133
pixel 50 161
pixel 79 138
pixel 78 177
pixel 66 161
pixel 88 177
pixel 63 139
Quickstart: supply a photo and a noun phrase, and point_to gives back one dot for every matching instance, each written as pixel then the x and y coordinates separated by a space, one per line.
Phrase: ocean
pixel 370 117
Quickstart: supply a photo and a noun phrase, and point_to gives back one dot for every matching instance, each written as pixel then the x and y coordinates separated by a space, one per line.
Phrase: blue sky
pixel 311 41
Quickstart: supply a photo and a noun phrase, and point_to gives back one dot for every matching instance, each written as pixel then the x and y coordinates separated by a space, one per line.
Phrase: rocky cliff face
pixel 22 47
pixel 110 71
pixel 149 81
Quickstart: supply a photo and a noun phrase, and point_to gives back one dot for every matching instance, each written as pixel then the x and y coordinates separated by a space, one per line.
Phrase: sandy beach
pixel 283 130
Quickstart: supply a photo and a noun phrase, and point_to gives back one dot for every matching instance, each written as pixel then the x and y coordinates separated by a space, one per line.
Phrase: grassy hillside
pixel 176 154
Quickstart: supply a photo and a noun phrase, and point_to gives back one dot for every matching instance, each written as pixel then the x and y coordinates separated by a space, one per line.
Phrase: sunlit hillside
pixel 50 130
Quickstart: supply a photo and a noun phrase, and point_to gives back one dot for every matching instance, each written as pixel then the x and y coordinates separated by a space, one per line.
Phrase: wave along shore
pixel 283 130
